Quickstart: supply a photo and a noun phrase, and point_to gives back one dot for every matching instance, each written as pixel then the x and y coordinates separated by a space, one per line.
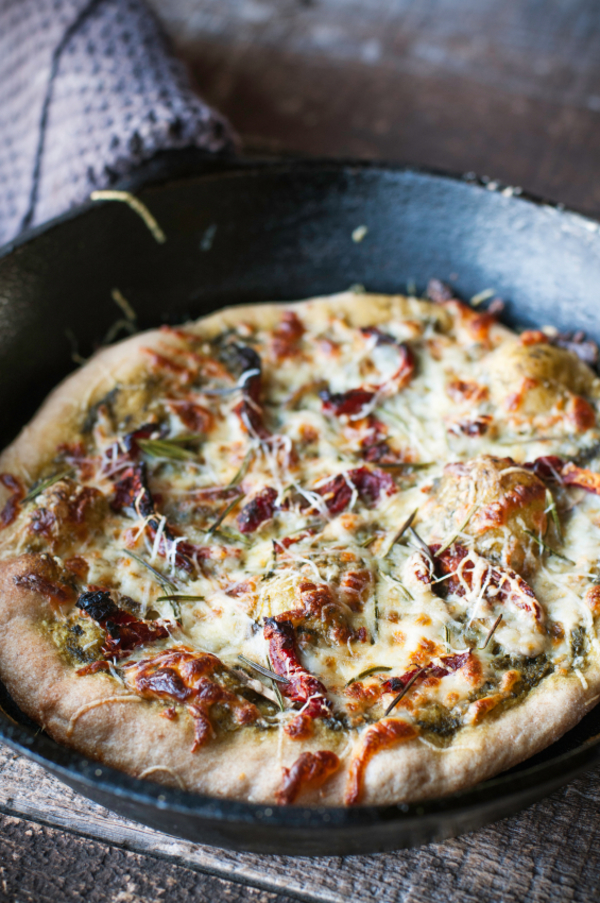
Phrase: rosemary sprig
pixel 551 507
pixel 492 631
pixel 179 597
pixel 221 517
pixel 276 689
pixel 266 672
pixel 166 448
pixel 406 465
pixel 375 619
pixel 41 485
pixel 447 637
pixel 367 673
pixel 231 535
pixel 423 546
pixel 237 479
pixel 457 532
pixel 367 542
pixel 549 549
pixel 402 692
pixel 165 583
pixel 405 526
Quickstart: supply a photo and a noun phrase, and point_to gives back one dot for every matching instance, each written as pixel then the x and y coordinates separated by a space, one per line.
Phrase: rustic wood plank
pixel 549 852
pixel 39 864
pixel 505 88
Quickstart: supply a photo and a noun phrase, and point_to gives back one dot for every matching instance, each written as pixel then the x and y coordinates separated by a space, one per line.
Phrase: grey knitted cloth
pixel 88 90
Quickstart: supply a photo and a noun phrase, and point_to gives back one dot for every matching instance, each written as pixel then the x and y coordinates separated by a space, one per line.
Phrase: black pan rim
pixel 525 786
pixel 156 174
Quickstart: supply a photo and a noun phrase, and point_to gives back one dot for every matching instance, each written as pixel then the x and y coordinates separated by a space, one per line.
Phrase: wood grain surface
pixel 505 88
pixel 550 852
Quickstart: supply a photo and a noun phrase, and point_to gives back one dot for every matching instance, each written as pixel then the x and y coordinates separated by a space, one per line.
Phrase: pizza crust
pixel 100 719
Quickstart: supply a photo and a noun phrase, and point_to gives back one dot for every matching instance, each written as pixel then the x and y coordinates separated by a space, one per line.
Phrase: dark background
pixel 509 89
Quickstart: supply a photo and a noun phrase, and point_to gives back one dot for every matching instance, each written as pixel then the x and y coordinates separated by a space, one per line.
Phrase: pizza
pixel 336 552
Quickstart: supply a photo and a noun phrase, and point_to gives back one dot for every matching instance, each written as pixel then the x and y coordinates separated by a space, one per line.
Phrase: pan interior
pixel 283 232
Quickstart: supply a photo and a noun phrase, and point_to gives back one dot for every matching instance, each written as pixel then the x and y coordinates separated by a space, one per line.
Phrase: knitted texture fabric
pixel 89 90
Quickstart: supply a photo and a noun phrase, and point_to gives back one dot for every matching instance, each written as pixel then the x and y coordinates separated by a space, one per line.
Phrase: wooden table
pixel 506 88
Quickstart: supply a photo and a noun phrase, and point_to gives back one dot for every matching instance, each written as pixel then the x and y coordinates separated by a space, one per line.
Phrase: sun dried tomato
pixel 547 467
pixel 124 632
pixel 258 510
pixel 131 491
pixel 369 485
pixel 504 585
pixel 302 687
pixel 348 403
pixel 195 417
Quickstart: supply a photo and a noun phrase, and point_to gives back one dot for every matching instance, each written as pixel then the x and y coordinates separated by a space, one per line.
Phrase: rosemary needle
pixel 549 549
pixel 276 689
pixel 405 526
pixel 423 546
pixel 491 632
pixel 266 672
pixel 367 673
pixel 42 485
pixel 166 448
pixel 179 597
pixel 243 469
pixel 164 581
pixel 457 533
pixel 221 517
pixel 402 692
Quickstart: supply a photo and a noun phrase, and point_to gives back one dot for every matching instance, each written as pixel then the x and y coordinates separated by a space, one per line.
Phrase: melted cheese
pixel 455 407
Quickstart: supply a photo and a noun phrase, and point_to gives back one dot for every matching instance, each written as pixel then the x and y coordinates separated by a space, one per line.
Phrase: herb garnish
pixel 167 448
pixel 423 546
pixel 367 673
pixel 492 631
pixel 168 587
pixel 180 597
pixel 41 485
pixel 243 469
pixel 549 549
pixel 551 507
pixel 221 517
pixel 405 526
pixel 367 542
pixel 457 532
pixel 266 672
pixel 276 689
pixel 402 692
pixel 447 637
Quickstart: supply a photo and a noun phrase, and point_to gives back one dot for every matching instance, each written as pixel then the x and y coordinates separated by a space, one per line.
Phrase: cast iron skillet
pixel 239 233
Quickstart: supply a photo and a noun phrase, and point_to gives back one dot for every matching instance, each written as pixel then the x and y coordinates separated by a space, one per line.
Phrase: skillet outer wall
pixel 282 232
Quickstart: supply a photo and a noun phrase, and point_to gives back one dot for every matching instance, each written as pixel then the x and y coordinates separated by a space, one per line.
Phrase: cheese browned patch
pixel 207 522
